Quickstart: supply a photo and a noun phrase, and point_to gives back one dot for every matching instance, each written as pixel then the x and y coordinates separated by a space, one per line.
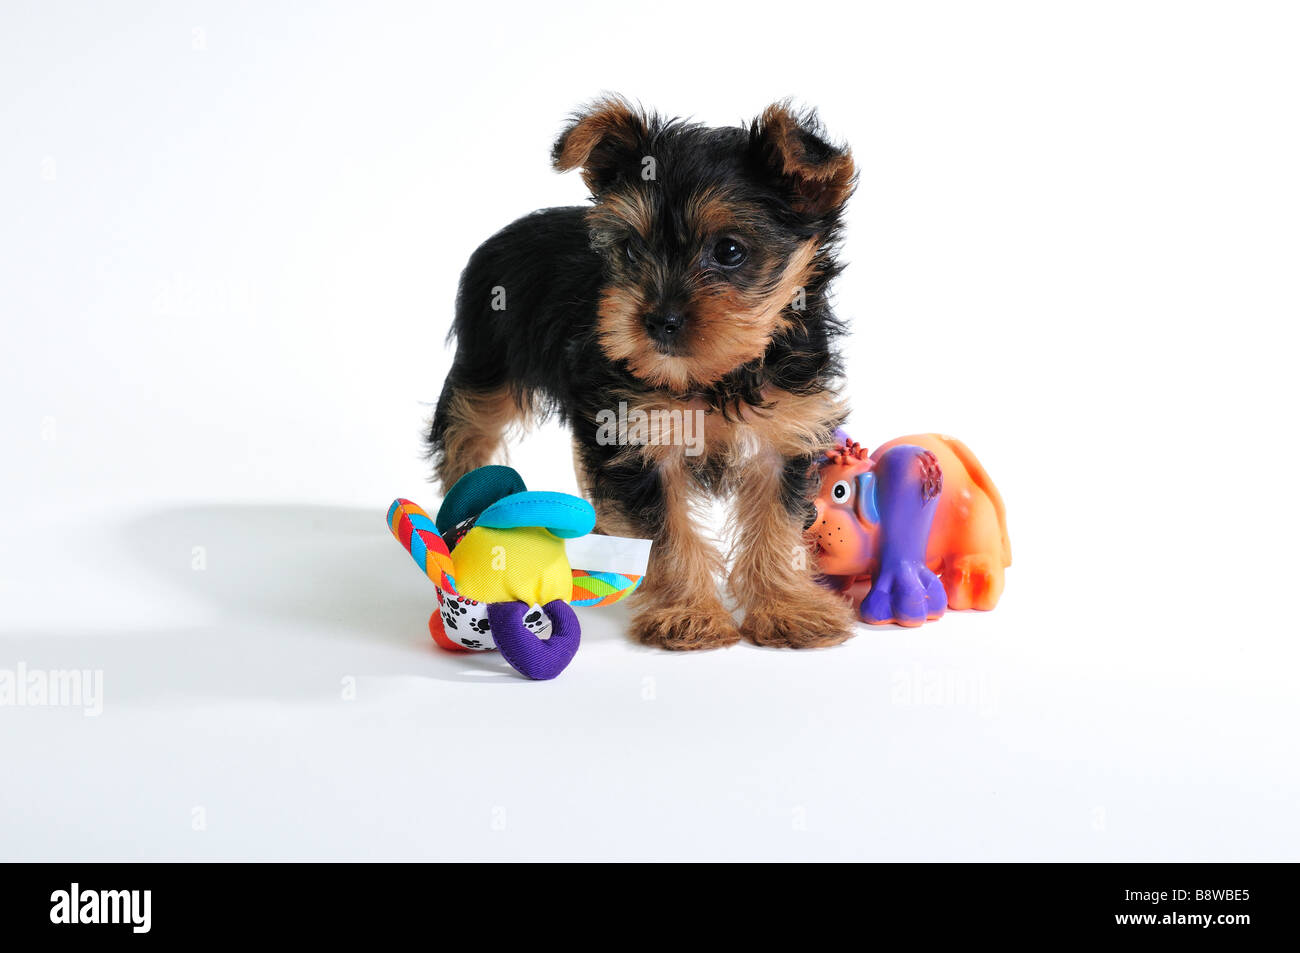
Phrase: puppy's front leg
pixel 773 575
pixel 677 606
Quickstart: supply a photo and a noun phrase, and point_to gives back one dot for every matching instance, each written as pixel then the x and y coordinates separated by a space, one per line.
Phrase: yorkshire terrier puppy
pixel 691 294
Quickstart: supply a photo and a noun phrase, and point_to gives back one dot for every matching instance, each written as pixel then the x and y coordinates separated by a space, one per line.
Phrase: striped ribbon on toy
pixel 593 588
pixel 419 537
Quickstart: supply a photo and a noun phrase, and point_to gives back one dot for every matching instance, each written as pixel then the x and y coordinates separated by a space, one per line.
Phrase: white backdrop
pixel 229 242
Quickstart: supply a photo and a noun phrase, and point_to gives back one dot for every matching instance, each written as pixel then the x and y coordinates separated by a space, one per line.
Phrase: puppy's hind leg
pixel 469 425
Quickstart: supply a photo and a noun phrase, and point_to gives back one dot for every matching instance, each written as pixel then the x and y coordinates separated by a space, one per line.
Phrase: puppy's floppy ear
pixel 605 140
pixel 793 146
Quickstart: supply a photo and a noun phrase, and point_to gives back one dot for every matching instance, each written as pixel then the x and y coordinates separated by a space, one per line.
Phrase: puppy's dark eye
pixel 629 253
pixel 729 253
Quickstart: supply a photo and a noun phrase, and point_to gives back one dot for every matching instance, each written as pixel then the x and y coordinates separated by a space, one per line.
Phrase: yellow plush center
pixel 524 564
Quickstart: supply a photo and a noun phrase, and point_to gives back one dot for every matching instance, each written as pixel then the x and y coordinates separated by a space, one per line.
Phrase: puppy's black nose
pixel 665 326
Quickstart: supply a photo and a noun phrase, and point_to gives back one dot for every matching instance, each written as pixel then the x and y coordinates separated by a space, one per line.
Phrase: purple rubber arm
pixel 907 488
pixel 532 657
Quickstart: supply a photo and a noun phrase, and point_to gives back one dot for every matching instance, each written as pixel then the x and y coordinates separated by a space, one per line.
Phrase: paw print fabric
pixel 462 623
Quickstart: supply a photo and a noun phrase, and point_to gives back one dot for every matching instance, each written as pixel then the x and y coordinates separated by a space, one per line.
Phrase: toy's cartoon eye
pixel 842 491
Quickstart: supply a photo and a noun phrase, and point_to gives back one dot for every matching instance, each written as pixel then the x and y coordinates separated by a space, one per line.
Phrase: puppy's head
pixel 710 236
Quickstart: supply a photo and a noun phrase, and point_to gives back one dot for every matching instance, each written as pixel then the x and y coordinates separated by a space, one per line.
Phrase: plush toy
pixel 496 554
pixel 911 530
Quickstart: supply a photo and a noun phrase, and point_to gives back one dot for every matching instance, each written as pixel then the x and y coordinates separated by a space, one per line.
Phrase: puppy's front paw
pixel 685 627
pixel 807 619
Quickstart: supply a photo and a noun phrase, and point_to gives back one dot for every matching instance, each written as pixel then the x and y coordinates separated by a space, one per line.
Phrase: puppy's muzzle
pixel 665 327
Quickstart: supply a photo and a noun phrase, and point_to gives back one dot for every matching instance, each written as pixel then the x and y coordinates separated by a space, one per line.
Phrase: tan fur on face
pixel 714 212
pixel 476 424
pixel 630 208
pixel 725 330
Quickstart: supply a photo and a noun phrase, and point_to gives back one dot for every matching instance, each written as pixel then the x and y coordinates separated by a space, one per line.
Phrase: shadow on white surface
pixel 335 569
pixel 294 597
pixel 269 602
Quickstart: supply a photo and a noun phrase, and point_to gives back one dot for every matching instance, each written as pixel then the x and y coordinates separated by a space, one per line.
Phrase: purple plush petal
pixel 532 657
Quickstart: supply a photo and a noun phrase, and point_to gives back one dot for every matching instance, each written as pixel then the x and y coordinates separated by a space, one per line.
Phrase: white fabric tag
pixel 619 554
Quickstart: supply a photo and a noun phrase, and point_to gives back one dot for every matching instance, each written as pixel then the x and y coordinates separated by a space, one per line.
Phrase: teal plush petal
pixel 475 492
pixel 564 515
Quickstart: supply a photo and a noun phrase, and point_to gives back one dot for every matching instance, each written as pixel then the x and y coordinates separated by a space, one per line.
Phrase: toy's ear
pixel 864 502
pixel 818 176
pixel 605 140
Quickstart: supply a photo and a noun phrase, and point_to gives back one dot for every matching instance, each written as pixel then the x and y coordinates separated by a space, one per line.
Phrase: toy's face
pixel 845 535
